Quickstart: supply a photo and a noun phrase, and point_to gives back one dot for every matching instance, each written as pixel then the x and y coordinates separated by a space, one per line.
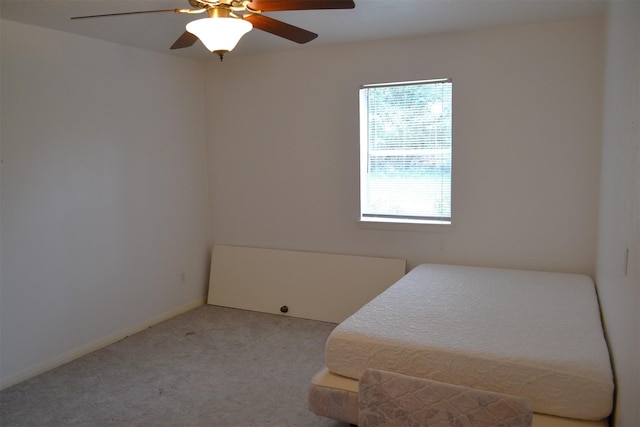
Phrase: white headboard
pixel 311 285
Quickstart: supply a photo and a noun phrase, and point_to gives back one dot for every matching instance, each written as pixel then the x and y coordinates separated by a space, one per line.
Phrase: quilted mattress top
pixel 531 334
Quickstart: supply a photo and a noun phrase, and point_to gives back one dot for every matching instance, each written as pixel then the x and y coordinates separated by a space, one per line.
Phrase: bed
pixel 531 335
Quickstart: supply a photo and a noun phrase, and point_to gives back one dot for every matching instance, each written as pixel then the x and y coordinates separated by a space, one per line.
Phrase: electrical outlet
pixel 626 262
pixel 183 277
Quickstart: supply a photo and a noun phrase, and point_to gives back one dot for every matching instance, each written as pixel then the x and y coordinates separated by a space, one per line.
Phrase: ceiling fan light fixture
pixel 219 34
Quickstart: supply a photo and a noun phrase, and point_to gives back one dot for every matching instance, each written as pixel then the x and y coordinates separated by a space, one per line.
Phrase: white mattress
pixel 329 383
pixel 531 334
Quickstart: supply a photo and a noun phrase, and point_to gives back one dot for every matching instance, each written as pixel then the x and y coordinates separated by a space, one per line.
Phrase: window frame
pixel 398 222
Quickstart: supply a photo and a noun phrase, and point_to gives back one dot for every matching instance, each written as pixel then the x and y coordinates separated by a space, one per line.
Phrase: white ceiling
pixel 370 20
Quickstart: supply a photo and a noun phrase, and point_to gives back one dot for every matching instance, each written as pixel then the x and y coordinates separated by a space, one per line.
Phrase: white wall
pixel 619 228
pixel 104 193
pixel 283 139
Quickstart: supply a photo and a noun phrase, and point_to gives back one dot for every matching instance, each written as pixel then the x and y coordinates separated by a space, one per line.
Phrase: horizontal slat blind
pixel 406 135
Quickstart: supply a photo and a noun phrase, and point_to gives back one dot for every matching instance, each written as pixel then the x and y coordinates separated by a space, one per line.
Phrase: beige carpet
pixel 212 366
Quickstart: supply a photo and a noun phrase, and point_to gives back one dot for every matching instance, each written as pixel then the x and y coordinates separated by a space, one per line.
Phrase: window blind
pixel 406 150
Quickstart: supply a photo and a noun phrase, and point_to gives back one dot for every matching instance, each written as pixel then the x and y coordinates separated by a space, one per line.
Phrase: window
pixel 405 152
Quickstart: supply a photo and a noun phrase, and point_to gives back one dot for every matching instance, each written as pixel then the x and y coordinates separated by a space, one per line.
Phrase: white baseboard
pixel 96 345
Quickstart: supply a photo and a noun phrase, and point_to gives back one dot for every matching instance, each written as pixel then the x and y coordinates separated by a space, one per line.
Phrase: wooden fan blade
pixel 185 40
pixel 126 13
pixel 280 5
pixel 281 29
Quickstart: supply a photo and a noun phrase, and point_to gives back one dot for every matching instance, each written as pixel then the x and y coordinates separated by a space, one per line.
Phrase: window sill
pixel 406 225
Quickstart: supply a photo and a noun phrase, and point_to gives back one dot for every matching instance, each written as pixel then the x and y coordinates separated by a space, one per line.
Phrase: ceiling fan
pixel 229 20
